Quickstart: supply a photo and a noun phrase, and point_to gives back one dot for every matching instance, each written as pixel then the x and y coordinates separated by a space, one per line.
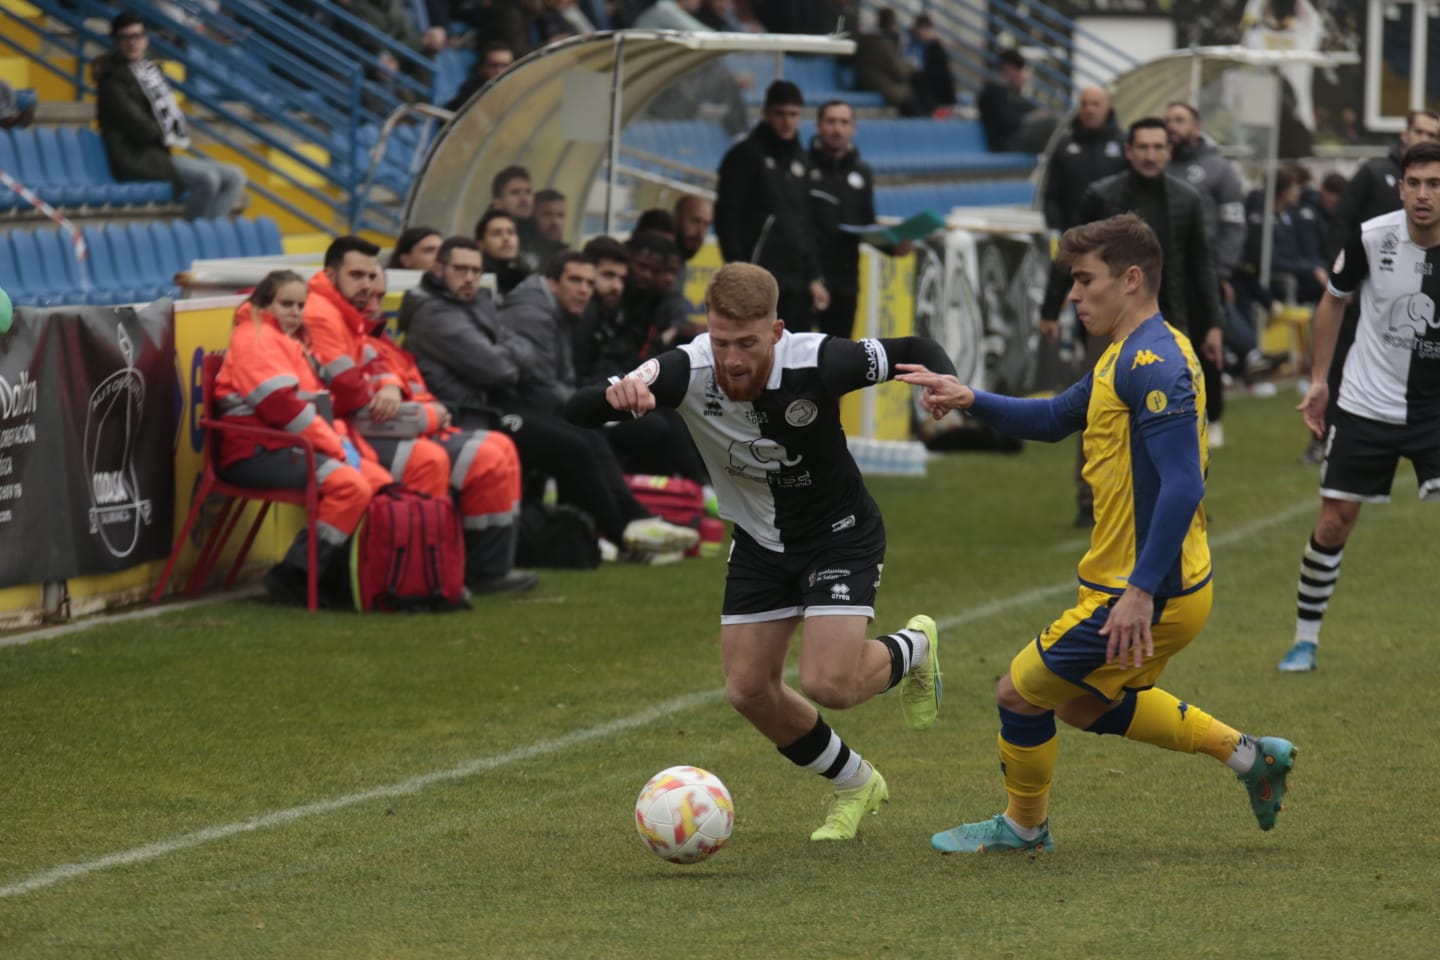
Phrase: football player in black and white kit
pixel 763 405
pixel 1389 403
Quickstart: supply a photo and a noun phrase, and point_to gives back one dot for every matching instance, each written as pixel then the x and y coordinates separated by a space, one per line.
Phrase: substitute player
pixel 763 405
pixel 1145 581
pixel 1389 402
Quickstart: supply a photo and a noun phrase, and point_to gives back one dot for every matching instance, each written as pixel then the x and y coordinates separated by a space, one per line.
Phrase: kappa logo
pixel 1146 357
pixel 840 592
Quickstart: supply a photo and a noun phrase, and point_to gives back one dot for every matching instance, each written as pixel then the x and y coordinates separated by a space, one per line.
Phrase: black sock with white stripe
pixel 907 648
pixel 822 751
pixel 1319 572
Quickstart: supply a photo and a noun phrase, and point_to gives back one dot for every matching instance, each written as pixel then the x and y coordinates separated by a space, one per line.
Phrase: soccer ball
pixel 684 814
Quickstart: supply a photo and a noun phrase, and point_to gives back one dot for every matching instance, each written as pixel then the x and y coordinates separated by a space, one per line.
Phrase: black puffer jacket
pixel 842 191
pixel 762 208
pixel 1374 190
pixel 1079 160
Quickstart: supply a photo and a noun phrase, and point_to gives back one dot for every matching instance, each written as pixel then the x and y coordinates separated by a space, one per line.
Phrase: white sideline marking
pixel 186 841
pixel 105 619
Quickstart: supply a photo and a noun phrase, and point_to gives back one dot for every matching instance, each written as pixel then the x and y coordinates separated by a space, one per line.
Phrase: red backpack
pixel 408 554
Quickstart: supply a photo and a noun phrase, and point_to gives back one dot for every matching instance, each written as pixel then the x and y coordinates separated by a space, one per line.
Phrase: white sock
pixel 859 778
pixel 1244 756
pixel 920 649
pixel 1308 631
pixel 1025 833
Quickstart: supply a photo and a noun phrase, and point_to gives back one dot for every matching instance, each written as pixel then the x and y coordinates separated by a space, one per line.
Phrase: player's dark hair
pixel 1012 58
pixel 742 292
pixel 820 114
pixel 783 93
pixel 1426 151
pixel 607 248
pixel 452 244
pixel 1121 242
pixel 1284 180
pixel 559 260
pixel 548 195
pixel 651 242
pixel 123 19
pixel 1413 114
pixel 264 293
pixel 1147 123
pixel 341 246
pixel 1334 183
pixel 503 178
pixel 654 220
pixel 408 241
pixel 489 217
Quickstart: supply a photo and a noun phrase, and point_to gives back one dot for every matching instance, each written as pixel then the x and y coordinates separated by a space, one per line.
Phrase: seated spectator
pixel 267 380
pixel 511 191
pixel 694 215
pixel 543 311
pixel 655 220
pixel 480 373
pixel 415 249
pixel 486 496
pixel 500 245
pixel 550 216
pixel 931 64
pixel 1012 120
pixel 1297 272
pixel 143 127
pixel 880 67
pixel 494 58
pixel 651 296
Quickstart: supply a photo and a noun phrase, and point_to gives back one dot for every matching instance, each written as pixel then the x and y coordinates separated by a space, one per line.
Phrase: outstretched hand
pixel 1312 408
pixel 939 392
pixel 632 394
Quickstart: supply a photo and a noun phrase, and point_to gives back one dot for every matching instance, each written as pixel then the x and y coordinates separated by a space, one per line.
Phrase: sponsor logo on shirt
pixel 876 363
pixel 1146 357
pixel 1390 244
pixel 840 592
pixel 828 574
pixel 844 523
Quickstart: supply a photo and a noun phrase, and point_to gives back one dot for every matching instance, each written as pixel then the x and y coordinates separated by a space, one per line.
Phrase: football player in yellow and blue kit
pixel 1145 581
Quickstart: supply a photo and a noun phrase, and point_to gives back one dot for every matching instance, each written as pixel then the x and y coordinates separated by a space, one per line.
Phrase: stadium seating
pixel 902 201
pixel 821 79
pixel 67 168
pixel 452 66
pixel 126 263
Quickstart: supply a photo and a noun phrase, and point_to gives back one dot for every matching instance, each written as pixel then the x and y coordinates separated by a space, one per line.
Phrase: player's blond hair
pixel 1121 242
pixel 743 292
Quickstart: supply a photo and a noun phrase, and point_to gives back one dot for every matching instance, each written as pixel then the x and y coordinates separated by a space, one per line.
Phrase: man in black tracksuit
pixel 842 191
pixel 762 207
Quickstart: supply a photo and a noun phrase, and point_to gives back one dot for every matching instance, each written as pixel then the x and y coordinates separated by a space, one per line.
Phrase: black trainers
pixel 287 585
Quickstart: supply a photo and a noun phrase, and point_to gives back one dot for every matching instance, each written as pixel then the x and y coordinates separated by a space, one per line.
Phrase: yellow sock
pixel 1166 722
pixel 1028 771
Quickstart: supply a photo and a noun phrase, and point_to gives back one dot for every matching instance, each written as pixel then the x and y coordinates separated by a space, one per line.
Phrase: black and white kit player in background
pixel 1389 402
pixel 763 405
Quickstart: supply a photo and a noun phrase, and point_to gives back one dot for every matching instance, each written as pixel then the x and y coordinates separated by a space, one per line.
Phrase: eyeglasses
pixel 127 37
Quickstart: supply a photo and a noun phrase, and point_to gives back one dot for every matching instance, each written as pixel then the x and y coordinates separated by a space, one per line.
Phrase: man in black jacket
pixel 842 191
pixel 1189 292
pixel 762 206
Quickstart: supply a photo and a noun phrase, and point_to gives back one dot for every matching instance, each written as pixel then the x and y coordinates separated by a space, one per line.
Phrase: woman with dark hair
pixel 415 249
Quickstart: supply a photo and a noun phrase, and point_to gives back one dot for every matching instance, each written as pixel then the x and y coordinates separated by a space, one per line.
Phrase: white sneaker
pixel 1216 432
pixel 609 553
pixel 654 535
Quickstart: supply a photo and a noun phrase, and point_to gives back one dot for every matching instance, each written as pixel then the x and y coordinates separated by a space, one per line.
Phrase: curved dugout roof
pixel 555 110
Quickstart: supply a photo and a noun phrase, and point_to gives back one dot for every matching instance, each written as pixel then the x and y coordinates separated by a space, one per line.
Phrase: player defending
pixel 1145 582
pixel 1389 402
pixel 763 405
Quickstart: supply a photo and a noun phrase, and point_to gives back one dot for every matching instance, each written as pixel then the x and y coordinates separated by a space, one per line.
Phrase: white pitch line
pixel 186 841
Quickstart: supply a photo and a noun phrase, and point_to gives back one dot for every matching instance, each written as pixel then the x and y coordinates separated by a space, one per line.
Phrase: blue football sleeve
pixel 1036 419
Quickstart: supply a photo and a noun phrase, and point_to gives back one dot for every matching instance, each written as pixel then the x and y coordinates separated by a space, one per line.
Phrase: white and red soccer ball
pixel 684 814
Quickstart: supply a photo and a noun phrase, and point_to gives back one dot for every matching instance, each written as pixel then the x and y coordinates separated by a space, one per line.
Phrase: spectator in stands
pixel 1297 274
pixel 879 66
pixel 479 372
pixel 1013 120
pixel 562 19
pixel 12 113
pixel 493 59
pixel 651 295
pixel 932 76
pixel 842 192
pixel 415 249
pixel 707 90
pixel 762 207
pixel 693 217
pixel 145 132
pixel 511 191
pixel 672 15
pixel 364 392
pixel 1093 150
pixel 500 245
pixel 1324 206
pixel 1195 160
pixel 267 380
pixel 550 216
pixel 722 15
pixel 484 466
pixel 1189 292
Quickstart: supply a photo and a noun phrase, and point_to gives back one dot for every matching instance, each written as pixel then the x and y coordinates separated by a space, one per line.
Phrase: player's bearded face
pixel 744 353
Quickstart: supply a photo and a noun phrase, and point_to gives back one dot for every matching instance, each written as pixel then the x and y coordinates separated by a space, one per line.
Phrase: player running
pixel 1145 582
pixel 763 405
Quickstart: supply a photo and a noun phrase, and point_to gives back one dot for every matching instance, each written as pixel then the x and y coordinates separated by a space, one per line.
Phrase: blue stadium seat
pixel 167 253
pixel 42 281
pixel 227 238
pixel 452 66
pixel 187 245
pixel 117 194
pixel 249 237
pixel 156 274
pixel 130 265
pixel 58 257
pixel 9 199
pixel 205 236
pixel 64 190
pixel 72 157
pixel 270 240
pixel 29 169
pixel 12 278
pixel 110 286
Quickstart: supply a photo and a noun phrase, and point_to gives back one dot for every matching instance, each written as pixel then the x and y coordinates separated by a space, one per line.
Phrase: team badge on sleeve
pixel 647 371
pixel 1156 401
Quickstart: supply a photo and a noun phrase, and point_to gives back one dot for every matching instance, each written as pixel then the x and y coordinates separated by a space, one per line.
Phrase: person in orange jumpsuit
pixel 267 380
pixel 485 478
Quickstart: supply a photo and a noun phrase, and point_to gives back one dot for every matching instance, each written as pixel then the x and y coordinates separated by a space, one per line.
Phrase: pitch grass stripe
pixel 153 851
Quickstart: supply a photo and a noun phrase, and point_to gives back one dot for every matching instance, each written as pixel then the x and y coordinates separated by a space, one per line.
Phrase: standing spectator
pixel 480 373
pixel 932 74
pixel 1389 402
pixel 1196 162
pixel 415 249
pixel 550 216
pixel 762 207
pixel 879 66
pixel 500 248
pixel 1189 293
pixel 693 217
pixel 145 132
pixel 842 192
pixel 1012 120
pixel 494 58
